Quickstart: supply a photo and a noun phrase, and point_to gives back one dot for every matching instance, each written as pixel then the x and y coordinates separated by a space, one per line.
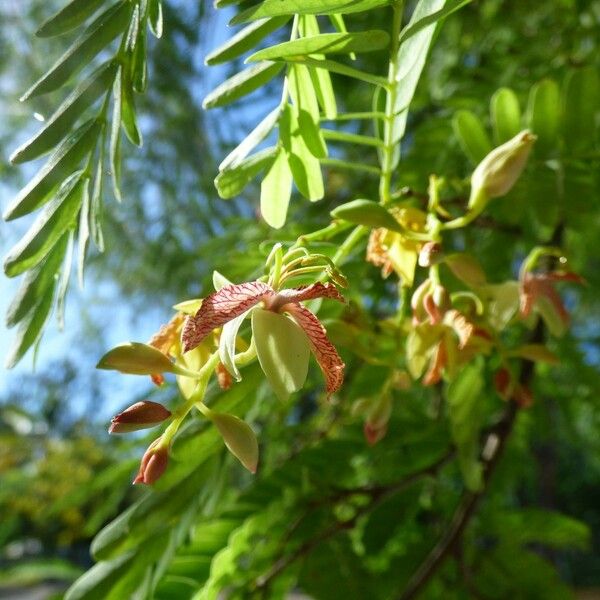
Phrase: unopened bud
pixel 374 434
pixel 503 383
pixel 153 464
pixel 430 254
pixel 223 377
pixel 140 415
pixel 496 174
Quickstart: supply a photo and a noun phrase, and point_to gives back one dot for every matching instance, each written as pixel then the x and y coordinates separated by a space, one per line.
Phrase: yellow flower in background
pixel 393 251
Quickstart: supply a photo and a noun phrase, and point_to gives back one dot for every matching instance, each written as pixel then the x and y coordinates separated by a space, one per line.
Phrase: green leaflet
pixel 581 100
pixel 36 283
pixel 114 155
pixel 471 135
pixel 83 231
pixel 95 38
pixel 366 212
pixel 47 229
pixel 60 165
pixel 274 8
pixel 505 114
pixel 69 17
pixel 306 108
pixel 283 351
pixel 245 39
pixel 96 199
pixel 241 84
pixel 432 18
pixel 326 43
pixel 305 167
pixel 155 17
pixel 275 191
pixel 465 413
pixel 31 326
pixel 139 67
pixel 544 114
pixel 238 437
pixel 351 138
pixel 128 118
pixel 63 281
pixel 231 181
pixel 59 124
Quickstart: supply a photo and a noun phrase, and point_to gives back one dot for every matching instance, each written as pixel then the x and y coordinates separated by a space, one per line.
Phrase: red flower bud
pixel 374 434
pixel 223 377
pixel 503 383
pixel 140 415
pixel 153 464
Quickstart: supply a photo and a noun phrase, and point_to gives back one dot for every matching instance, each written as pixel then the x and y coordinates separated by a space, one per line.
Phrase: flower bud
pixel 496 174
pixel 153 464
pixel 430 254
pixel 140 415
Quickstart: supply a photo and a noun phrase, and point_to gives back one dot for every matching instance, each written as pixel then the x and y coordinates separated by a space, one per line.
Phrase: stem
pixel 389 144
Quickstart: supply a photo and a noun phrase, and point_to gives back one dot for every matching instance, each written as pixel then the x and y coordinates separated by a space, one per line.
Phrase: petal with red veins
pixel 329 360
pixel 220 307
pixel 309 292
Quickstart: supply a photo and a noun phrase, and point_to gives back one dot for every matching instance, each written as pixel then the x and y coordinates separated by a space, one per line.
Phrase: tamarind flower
pixel 393 251
pixel 284 331
pixel 164 340
pixel 153 463
pixel 537 293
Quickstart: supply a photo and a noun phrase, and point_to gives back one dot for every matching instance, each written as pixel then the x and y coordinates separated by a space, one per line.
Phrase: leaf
pixel 544 113
pixel 471 135
pixel 466 268
pixel 253 139
pixel 275 191
pixel 305 167
pixel 351 138
pixel 35 284
pixel 502 302
pixel 69 17
pixel 30 328
pixel 95 38
pixel 63 281
pixel 245 39
pixel 128 118
pixel 505 114
pixel 155 17
pixel 115 137
pixel 32 572
pixel 59 166
pixel 411 60
pixel 135 358
pixel 96 201
pixel 274 8
pixel 231 181
pixel 581 99
pixel 367 212
pixel 241 84
pixel 326 43
pixel 83 232
pixel 535 353
pixel 431 19
pixel 239 438
pixel 59 124
pixel 47 229
pixel 465 413
pixel 139 66
pixel 306 108
pixel 283 351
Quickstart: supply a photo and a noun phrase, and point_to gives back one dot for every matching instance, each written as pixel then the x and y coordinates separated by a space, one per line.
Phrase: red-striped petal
pixel 220 307
pixel 329 360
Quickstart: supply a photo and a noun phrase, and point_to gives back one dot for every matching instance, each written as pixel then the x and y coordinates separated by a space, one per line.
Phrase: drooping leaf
pixel 47 229
pixel 253 139
pixel 366 212
pixel 581 99
pixel 58 125
pixel 245 39
pixel 231 181
pixel 83 231
pixel 275 191
pixel 239 438
pixel 241 84
pixel 155 17
pixel 95 38
pixel 128 112
pixel 59 166
pixel 115 136
pixel 283 351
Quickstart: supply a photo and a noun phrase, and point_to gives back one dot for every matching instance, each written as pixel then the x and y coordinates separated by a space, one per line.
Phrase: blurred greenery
pixel 327 514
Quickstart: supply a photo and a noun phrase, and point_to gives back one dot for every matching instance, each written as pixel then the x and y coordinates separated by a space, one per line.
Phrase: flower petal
pixel 329 360
pixel 227 345
pixel 222 306
pixel 309 292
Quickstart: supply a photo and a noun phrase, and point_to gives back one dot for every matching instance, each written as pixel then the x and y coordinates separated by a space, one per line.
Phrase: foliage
pixel 425 472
